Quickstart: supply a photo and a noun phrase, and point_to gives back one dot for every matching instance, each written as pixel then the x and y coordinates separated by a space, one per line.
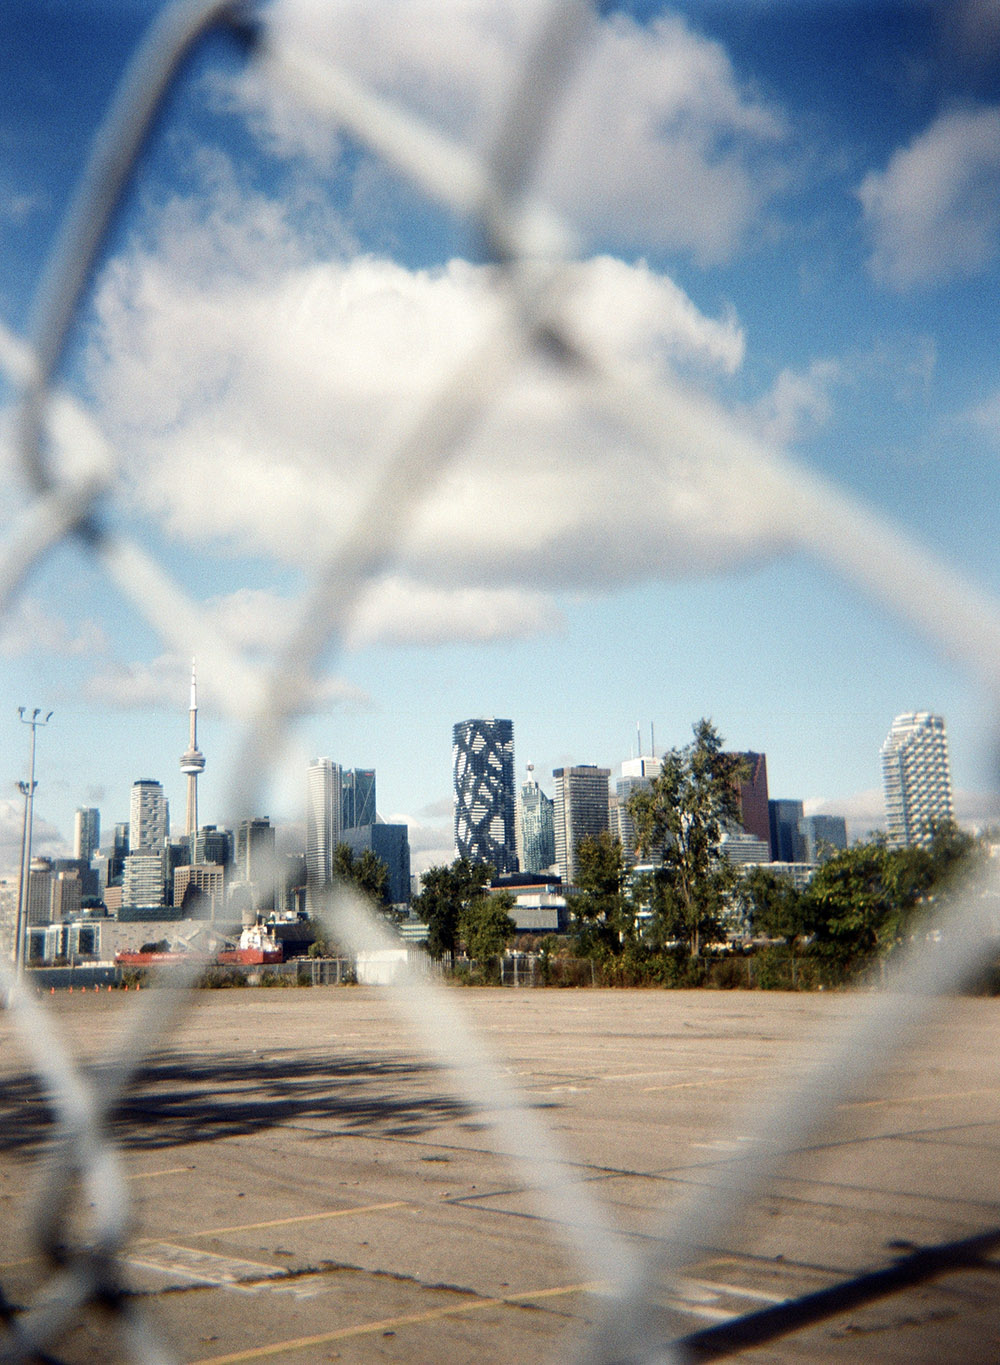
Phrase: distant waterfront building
pixel 144 880
pixel 391 844
pixel 536 843
pixel 149 816
pixel 483 757
pixel 821 835
pixel 86 832
pixel 783 818
pixel 916 778
pixel 323 828
pixel 581 807
pixel 357 797
pixel 200 890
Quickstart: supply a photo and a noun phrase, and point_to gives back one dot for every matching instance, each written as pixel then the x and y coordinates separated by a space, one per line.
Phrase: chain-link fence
pixel 531 252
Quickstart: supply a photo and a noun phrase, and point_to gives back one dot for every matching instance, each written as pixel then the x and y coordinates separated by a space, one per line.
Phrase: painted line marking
pixel 285 1222
pixel 921 1099
pixel 153 1175
pixel 390 1324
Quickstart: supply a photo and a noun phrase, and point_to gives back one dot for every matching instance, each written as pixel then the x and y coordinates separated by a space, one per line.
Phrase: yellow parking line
pixel 390 1324
pixel 152 1175
pixel 300 1218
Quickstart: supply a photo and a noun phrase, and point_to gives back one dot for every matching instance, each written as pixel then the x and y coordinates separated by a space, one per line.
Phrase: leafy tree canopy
pixel 486 926
pixel 444 896
pixel 602 911
pixel 367 872
pixel 684 813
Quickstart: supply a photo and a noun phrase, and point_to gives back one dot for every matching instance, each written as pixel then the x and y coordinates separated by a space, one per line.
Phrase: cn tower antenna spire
pixel 192 762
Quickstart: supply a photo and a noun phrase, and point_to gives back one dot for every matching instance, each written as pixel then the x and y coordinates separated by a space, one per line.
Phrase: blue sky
pixel 794 209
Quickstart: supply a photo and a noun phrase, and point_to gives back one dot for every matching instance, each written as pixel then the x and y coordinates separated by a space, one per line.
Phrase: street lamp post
pixel 27 790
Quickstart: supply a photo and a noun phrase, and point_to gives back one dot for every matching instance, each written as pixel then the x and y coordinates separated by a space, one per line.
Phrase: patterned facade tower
pixel 916 777
pixel 483 752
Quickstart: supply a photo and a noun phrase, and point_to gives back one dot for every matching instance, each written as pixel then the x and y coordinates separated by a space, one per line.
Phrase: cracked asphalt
pixel 306 1186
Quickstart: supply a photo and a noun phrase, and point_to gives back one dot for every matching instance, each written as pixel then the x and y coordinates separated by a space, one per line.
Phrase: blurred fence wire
pixel 532 254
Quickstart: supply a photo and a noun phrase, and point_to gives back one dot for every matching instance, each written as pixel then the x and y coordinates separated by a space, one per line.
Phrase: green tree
pixel 602 911
pixel 486 927
pixel 444 896
pixel 772 905
pixel 681 817
pixel 367 873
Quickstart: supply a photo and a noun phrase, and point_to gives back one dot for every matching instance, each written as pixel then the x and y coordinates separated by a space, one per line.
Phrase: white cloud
pixel 31 628
pixel 798 402
pixel 655 142
pixel 46 841
pixel 398 611
pixel 256 392
pixel 159 683
pixel 934 213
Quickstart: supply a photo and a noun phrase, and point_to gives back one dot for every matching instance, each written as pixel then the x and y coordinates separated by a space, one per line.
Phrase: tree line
pixel 686 912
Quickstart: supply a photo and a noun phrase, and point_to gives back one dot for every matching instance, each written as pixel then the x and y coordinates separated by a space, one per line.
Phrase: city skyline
pixel 276 305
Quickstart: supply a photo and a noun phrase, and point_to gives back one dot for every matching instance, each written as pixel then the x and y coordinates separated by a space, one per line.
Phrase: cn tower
pixel 192 762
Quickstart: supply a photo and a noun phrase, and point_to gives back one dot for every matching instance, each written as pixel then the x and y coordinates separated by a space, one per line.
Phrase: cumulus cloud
pixel 46 841
pixel 655 142
pixel 255 395
pixel 398 611
pixel 798 402
pixel 159 683
pixel 934 212
pixel 30 627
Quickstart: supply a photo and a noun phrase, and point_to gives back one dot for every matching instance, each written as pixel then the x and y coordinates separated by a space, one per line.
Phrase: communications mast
pixel 192 762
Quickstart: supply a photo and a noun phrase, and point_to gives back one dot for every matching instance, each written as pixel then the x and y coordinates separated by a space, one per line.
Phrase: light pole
pixel 27 790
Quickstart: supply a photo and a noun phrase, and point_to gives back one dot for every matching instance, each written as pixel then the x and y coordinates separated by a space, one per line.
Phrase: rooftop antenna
pixel 652 741
pixel 638 741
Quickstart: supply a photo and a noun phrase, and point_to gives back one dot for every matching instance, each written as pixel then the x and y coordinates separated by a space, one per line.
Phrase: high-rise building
pixel 323 811
pixel 536 844
pixel 357 799
pixel 637 775
pixel 86 832
pixel 391 844
pixel 784 817
pixel 753 796
pixel 821 835
pixel 253 862
pixel 144 880
pixel 212 845
pixel 483 753
pixel 149 816
pixel 916 778
pixel 192 762
pixel 581 806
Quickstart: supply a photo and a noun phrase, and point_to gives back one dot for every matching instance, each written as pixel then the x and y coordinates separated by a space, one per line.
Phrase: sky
pixel 789 210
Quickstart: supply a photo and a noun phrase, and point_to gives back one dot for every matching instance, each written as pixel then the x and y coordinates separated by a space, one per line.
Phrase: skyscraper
pixel 536 845
pixel 483 753
pixel 581 807
pixel 253 862
pixel 357 804
pixel 637 775
pixel 86 832
pixel 916 778
pixel 323 811
pixel 753 797
pixel 149 816
pixel 786 841
pixel 192 762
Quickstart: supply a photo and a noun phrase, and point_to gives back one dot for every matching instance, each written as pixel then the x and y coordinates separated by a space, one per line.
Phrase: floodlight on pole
pixel 27 790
